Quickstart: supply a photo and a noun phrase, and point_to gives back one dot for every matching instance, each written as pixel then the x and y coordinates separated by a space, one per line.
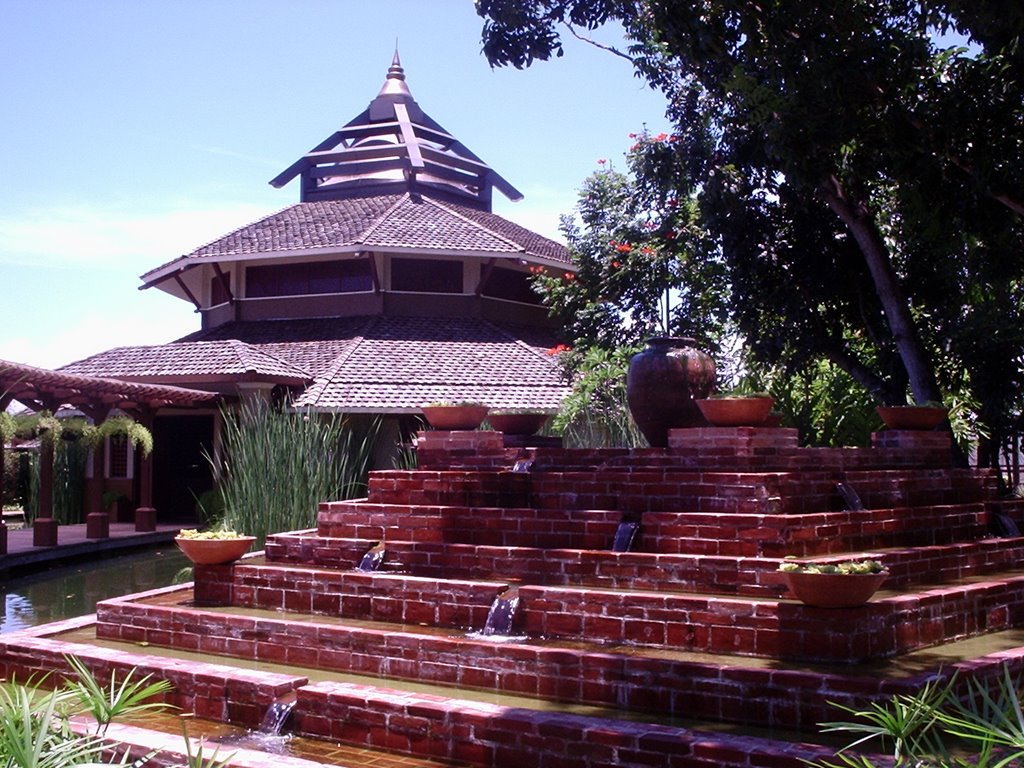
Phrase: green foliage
pixel 138 435
pixel 822 401
pixel 194 757
pixel 276 466
pixel 944 725
pixel 35 729
pixel 69 460
pixel 860 180
pixel 595 414
pixel 129 696
pixel 643 264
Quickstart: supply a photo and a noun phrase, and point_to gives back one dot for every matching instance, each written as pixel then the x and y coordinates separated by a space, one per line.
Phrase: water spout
pixel 624 536
pixel 277 717
pixel 502 613
pixel 850 496
pixel 373 559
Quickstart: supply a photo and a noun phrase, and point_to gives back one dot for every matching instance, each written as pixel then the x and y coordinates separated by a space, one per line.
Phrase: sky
pixel 134 132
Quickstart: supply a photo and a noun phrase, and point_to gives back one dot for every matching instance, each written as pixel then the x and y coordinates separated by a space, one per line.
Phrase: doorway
pixel 181 473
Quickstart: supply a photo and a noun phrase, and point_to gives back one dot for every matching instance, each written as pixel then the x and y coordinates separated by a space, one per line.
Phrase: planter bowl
pixel 911 416
pixel 736 411
pixel 518 423
pixel 214 551
pixel 834 590
pixel 455 416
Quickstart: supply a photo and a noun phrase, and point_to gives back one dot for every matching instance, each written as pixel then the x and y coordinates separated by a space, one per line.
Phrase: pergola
pixel 42 389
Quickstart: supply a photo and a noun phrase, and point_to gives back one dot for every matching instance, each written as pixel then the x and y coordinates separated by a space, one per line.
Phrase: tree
pixel 863 182
pixel 643 263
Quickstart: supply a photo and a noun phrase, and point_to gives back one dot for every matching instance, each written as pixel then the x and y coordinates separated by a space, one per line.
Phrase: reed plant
pixel 276 465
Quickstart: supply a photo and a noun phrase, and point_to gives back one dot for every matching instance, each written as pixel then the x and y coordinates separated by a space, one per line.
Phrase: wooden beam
pixel 412 143
pixel 358 153
pixel 225 283
pixel 181 284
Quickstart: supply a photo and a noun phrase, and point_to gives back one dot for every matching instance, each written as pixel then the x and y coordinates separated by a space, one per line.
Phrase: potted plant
pixel 834 585
pixel 462 415
pixel 212 547
pixel 517 421
pixel 736 409
pixel 913 416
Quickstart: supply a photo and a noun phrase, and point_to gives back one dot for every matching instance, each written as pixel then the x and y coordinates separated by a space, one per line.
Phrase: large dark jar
pixel 662 383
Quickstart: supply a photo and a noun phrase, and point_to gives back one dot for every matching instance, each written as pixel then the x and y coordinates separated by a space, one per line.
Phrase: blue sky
pixel 133 132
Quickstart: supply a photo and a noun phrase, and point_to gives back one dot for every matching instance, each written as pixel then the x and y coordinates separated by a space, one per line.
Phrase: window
pixel 349 276
pixel 119 456
pixel 511 284
pixel 426 275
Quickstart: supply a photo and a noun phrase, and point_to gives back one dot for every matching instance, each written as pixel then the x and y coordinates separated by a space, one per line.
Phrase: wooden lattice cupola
pixel 394 146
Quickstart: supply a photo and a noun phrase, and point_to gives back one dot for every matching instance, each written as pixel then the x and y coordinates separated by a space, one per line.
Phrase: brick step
pixel 720 574
pixel 743 448
pixel 892 623
pixel 633 679
pixel 443 725
pixel 528 527
pixel 672 490
pixel 676 532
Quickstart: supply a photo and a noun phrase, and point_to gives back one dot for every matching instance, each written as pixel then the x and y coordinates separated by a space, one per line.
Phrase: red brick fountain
pixel 691 624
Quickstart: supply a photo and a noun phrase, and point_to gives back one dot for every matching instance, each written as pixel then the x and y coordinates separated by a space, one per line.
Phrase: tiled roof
pixel 382 221
pixel 197 360
pixel 26 382
pixel 403 362
pixel 384 364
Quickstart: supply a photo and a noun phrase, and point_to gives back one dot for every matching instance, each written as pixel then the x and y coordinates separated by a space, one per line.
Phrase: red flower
pixel 616 264
pixel 624 248
pixel 602 161
pixel 647 250
pixel 661 137
pixel 569 276
pixel 670 235
pixel 560 348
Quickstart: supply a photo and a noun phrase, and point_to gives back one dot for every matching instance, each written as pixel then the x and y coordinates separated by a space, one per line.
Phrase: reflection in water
pixel 70 591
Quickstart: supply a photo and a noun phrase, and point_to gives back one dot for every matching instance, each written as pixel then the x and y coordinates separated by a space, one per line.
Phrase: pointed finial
pixel 394 83
pixel 395 71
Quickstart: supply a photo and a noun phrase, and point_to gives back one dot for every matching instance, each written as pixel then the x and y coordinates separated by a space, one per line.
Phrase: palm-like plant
pixel 944 725
pixel 129 696
pixel 35 724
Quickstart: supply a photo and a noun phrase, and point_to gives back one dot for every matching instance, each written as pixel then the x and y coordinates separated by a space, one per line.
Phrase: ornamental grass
pixel 276 465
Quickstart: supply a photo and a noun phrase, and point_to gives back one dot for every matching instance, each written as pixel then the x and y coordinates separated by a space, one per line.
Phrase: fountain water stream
pixel 277 718
pixel 624 536
pixel 850 496
pixel 502 613
pixel 373 559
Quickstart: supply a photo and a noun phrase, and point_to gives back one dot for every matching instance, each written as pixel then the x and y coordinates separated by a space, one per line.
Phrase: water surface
pixel 73 590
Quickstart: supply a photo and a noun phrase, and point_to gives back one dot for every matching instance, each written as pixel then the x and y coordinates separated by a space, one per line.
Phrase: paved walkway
pixel 72 544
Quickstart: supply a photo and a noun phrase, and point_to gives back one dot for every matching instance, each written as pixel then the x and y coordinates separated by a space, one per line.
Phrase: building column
pixel 145 514
pixel 3 525
pixel 44 527
pixel 97 519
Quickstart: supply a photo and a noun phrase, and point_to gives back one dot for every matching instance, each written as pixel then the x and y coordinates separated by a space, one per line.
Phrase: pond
pixel 73 590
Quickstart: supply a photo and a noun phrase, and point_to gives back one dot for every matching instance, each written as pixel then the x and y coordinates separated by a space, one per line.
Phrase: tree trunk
pixel 856 217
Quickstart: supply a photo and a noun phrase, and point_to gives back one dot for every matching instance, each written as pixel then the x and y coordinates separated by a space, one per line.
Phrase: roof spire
pixel 394 84
pixel 395 70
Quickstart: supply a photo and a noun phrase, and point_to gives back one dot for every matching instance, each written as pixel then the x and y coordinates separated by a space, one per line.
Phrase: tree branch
pixel 609 48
